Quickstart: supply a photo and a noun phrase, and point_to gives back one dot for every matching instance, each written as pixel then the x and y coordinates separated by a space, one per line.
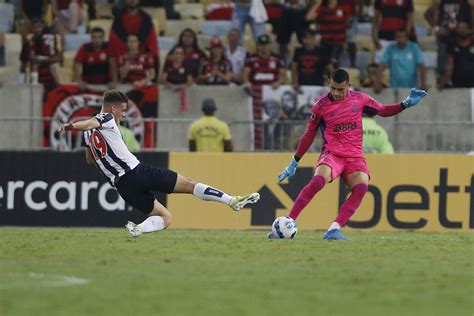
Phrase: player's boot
pixel 334 234
pixel 133 229
pixel 271 235
pixel 239 202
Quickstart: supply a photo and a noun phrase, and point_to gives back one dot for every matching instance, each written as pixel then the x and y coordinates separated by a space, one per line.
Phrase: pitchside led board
pixel 417 192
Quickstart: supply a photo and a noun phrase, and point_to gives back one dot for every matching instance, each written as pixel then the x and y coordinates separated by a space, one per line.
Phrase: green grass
pixel 181 272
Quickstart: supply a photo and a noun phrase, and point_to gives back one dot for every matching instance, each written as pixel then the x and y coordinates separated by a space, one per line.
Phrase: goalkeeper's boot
pixel 133 229
pixel 334 234
pixel 239 202
pixel 271 235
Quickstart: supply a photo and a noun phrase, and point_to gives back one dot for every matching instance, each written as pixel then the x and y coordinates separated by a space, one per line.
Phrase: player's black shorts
pixel 136 186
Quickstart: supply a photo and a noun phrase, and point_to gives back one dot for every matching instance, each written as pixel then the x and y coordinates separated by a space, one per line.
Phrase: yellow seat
pixel 68 59
pixel 158 15
pixel 13 44
pixel 64 74
pixel 190 10
pixel 103 11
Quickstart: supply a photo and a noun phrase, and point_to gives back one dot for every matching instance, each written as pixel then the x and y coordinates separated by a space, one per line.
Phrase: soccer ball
pixel 284 227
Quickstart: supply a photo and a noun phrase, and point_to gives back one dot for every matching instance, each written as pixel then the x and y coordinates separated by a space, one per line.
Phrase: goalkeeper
pixel 338 115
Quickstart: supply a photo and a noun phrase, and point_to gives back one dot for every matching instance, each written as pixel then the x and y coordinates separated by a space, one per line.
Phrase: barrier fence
pixel 172 135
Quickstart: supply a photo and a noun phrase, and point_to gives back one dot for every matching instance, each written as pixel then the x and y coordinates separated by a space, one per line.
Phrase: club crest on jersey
pixel 272 64
pixel 103 56
pixel 312 117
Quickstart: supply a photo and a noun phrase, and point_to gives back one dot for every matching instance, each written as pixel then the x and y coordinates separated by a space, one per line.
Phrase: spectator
pixel 29 10
pixel 236 53
pixel 132 20
pixel 405 60
pixel 129 138
pixel 135 67
pixel 443 16
pixel 460 64
pixel 375 138
pixel 91 65
pixel 176 75
pixel 371 77
pixel 241 16
pixel 291 21
pixel 2 48
pixel 193 55
pixel 264 67
pixel 209 134
pixel 218 69
pixel 332 24
pixel 350 8
pixel 309 63
pixel 390 16
pixel 40 52
pixel 69 16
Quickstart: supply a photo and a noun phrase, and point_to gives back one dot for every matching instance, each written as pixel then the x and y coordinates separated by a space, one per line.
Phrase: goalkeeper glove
pixel 289 171
pixel 414 97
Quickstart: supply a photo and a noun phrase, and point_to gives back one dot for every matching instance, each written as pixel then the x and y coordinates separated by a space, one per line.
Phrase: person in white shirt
pixel 236 53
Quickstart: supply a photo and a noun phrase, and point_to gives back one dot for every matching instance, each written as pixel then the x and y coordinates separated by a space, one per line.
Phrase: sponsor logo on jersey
pixel 264 76
pixel 345 127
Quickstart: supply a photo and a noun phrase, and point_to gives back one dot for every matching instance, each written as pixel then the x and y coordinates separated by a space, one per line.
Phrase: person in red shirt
pixel 41 53
pixel 264 67
pixel 91 65
pixel 217 70
pixel 193 55
pixel 176 73
pixel 332 23
pixel 132 20
pixel 135 67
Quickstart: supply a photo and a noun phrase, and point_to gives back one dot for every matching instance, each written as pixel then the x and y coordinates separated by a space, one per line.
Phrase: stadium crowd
pixel 126 50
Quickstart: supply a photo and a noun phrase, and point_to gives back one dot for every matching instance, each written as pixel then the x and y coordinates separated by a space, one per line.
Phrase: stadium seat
pixel 166 43
pixel 13 44
pixel 175 27
pixel 420 13
pixel 72 42
pixel 216 27
pixel 103 23
pixel 364 28
pixel 68 59
pixel 7 17
pixel 431 59
pixel 65 75
pixel 103 11
pixel 190 10
pixel 158 14
pixel 427 43
pixel 365 42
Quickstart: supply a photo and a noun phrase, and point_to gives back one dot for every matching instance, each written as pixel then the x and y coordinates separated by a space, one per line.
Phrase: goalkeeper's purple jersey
pixel 340 122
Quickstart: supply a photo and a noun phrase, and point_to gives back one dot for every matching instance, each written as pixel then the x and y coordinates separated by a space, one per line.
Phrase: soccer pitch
pixel 53 271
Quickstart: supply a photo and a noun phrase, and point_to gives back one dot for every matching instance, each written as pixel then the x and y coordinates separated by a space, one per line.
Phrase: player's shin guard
pixel 208 193
pixel 352 203
pixel 306 195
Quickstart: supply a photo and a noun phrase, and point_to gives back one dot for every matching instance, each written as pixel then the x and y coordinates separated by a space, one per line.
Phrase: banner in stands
pixel 413 192
pixel 60 189
pixel 67 103
pixel 274 106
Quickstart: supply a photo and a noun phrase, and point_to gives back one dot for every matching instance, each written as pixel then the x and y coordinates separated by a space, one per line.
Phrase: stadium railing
pixel 172 135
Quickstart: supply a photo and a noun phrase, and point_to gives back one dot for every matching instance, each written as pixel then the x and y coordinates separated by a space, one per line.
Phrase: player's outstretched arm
pixel 84 125
pixel 414 98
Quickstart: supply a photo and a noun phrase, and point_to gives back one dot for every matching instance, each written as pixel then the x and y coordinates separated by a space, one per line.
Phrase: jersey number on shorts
pixel 98 143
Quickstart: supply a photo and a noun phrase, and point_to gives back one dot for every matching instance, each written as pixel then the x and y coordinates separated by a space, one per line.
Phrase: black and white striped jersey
pixel 110 153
